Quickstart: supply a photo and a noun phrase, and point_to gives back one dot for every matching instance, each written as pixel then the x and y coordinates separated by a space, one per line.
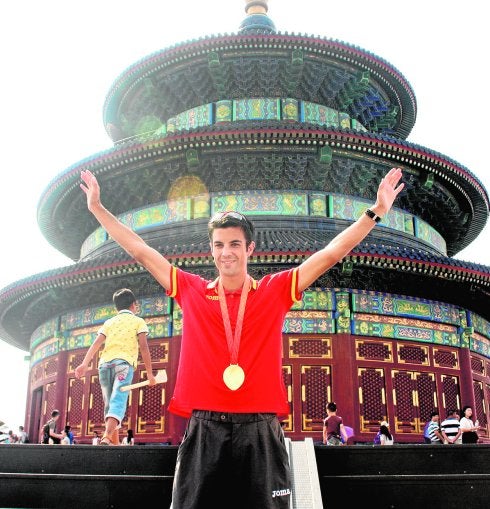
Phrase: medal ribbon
pixel 233 341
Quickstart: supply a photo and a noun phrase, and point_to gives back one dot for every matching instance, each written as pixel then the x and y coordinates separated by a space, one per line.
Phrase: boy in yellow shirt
pixel 121 335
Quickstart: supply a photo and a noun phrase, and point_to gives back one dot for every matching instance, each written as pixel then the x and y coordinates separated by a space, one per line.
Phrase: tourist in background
pixel 434 429
pixel 121 336
pixel 334 432
pixel 65 440
pixel 426 432
pixel 451 429
pixel 69 433
pixel 49 433
pixel 469 428
pixel 129 438
pixel 385 437
pixel 95 438
pixel 23 437
pixel 13 438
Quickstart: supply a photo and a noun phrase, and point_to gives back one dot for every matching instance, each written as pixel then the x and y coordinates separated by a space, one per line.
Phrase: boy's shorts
pixel 232 460
pixel 112 376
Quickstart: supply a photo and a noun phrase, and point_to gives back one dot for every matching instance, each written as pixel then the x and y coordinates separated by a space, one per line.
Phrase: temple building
pixel 295 132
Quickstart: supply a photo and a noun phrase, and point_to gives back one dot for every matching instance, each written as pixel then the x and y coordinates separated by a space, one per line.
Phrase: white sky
pixel 60 58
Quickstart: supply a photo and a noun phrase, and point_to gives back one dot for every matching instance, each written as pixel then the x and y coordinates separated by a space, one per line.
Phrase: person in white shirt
pixel 451 429
pixel 22 437
pixel 66 439
pixel 469 429
pixel 129 438
pixel 386 438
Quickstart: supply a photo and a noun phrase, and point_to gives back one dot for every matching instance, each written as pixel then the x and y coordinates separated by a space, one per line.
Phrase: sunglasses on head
pixel 228 213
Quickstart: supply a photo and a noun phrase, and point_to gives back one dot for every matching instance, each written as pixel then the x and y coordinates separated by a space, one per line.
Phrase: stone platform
pixel 398 476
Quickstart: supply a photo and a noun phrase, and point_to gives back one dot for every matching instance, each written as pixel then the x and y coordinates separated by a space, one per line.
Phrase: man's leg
pixel 260 464
pixel 202 473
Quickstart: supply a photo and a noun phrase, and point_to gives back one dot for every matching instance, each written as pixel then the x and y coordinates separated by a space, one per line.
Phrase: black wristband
pixel 372 215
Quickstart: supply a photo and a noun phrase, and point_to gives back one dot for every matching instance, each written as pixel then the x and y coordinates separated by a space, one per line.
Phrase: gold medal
pixel 233 376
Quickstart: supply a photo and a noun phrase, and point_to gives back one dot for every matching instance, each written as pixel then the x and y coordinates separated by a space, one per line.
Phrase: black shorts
pixel 232 460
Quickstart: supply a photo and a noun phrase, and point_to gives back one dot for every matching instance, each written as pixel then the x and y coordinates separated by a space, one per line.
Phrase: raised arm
pixel 319 262
pixel 146 356
pixel 132 243
pixel 81 369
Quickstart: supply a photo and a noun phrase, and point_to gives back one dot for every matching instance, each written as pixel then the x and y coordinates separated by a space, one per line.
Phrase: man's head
pixel 230 219
pixel 231 241
pixel 434 416
pixel 55 414
pixel 331 407
pixel 123 298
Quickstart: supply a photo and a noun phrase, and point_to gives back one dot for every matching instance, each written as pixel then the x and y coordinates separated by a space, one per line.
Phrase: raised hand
pixel 389 188
pixel 91 188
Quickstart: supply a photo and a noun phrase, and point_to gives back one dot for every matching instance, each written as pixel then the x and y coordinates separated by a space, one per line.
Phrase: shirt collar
pixel 213 285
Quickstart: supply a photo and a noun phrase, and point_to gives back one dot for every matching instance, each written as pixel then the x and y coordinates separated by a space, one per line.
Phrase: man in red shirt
pixel 229 381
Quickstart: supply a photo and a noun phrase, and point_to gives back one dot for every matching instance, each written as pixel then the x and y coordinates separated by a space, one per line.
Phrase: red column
pixel 344 386
pixel 466 381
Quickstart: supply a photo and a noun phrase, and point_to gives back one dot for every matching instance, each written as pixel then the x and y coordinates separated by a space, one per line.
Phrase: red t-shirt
pixel 204 351
pixel 333 426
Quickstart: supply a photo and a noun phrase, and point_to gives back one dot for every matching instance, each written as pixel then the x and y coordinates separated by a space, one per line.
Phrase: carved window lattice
pixel 411 354
pixel 403 395
pixel 484 421
pixel 374 350
pixel 477 365
pixel 51 367
pixel 479 403
pixel 37 374
pixel 373 397
pixel 150 402
pixel 451 393
pixel 95 407
pixel 49 401
pixel 310 347
pixel 445 358
pixel 287 376
pixel 425 385
pixel 74 411
pixel 150 409
pixel 158 352
pixel 75 360
pixel 288 382
pixel 315 382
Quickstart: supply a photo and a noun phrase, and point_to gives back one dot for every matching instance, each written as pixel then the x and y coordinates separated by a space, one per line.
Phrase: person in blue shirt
pixel 69 433
pixel 426 431
pixel 434 429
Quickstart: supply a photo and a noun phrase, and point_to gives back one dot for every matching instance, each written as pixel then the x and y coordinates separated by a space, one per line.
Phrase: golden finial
pixel 256 6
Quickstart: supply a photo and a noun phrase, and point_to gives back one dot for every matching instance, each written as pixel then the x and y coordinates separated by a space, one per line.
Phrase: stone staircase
pixel 398 476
